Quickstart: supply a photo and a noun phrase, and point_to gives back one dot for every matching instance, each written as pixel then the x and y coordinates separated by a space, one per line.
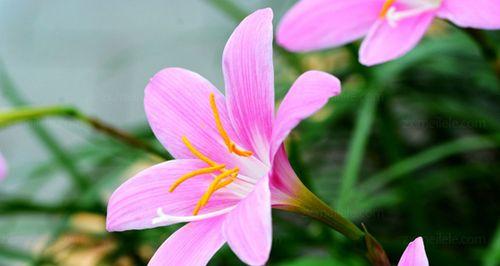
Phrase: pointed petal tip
pixel 267 12
pixel 264 14
pixel 368 63
pixel 109 226
pixel 414 254
pixel 366 60
pixel 329 80
pixel 166 72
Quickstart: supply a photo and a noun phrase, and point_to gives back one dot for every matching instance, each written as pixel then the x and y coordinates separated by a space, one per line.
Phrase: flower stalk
pixel 308 204
pixel 23 114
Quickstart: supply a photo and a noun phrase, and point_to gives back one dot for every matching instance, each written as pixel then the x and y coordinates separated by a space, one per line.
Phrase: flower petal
pixel 194 244
pixel 249 78
pixel 308 94
pixel 248 227
pixel 284 183
pixel 177 104
pixel 482 14
pixel 318 24
pixel 3 167
pixel 386 42
pixel 144 201
pixel 414 254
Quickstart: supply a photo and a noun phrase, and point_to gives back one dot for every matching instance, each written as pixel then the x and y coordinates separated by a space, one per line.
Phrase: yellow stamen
pixel 226 182
pixel 197 153
pixel 240 152
pixel 194 173
pixel 385 8
pixel 225 177
pixel 230 144
pixel 211 189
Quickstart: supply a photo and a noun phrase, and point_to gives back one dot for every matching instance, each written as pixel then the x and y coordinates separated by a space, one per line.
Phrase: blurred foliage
pixel 410 148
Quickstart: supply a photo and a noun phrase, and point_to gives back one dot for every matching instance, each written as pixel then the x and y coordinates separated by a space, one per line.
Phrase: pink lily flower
pixel 414 254
pixel 392 27
pixel 3 167
pixel 230 165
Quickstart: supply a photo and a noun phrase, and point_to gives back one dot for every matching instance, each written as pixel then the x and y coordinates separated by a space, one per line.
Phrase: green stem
pixel 43 134
pixel 308 204
pixel 35 113
pixel 22 114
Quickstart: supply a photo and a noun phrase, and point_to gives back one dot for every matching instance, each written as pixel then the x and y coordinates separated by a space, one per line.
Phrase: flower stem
pixel 35 113
pixel 44 135
pixel 308 204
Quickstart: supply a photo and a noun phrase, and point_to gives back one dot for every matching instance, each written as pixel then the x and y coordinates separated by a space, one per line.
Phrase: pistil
pixel 385 8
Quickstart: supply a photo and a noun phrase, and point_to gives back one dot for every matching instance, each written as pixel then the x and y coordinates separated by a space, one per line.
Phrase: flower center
pixel 408 9
pixel 385 8
pixel 225 176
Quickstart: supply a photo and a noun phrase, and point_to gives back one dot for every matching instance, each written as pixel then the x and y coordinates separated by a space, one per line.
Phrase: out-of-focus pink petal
pixel 414 254
pixel 248 227
pixel 144 201
pixel 386 42
pixel 284 183
pixel 177 104
pixel 318 24
pixel 194 244
pixel 249 78
pixel 482 14
pixel 3 167
pixel 308 94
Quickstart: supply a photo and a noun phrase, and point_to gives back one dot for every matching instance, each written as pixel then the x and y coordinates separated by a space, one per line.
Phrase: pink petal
pixel 386 42
pixel 317 24
pixel 177 104
pixel 3 167
pixel 284 183
pixel 482 14
pixel 194 244
pixel 135 204
pixel 248 228
pixel 249 78
pixel 414 254
pixel 308 94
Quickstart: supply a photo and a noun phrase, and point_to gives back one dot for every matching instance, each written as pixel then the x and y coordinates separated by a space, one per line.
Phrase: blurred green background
pixel 410 148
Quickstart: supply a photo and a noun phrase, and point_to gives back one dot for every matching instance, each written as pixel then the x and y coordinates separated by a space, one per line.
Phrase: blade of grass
pixel 16 254
pixel 492 255
pixel 427 157
pixel 357 147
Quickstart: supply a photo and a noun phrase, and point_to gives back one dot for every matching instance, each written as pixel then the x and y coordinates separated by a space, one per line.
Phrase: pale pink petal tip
pixel 247 63
pixel 308 94
pixel 3 167
pixel 386 42
pixel 414 255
